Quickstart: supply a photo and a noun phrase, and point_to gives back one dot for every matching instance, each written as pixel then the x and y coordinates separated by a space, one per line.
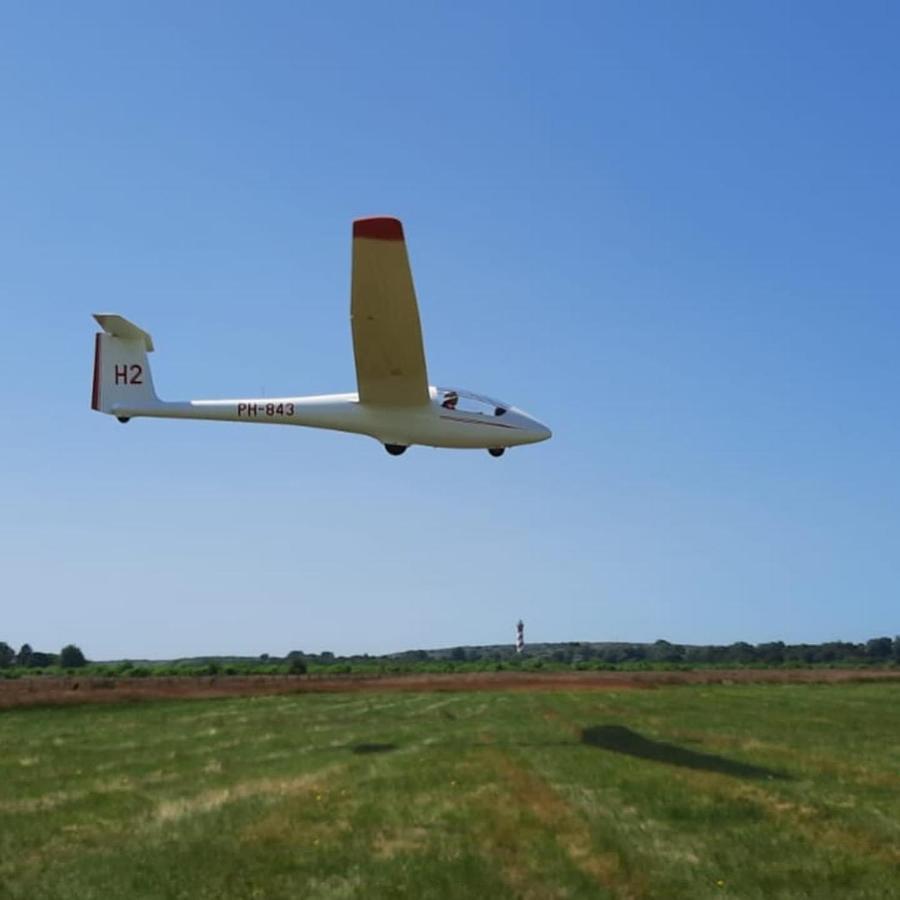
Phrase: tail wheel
pixel 124 419
pixel 395 449
pixel 497 451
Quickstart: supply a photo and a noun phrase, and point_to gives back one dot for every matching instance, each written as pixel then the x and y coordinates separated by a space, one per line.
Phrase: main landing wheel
pixel 395 449
pixel 497 451
pixel 124 419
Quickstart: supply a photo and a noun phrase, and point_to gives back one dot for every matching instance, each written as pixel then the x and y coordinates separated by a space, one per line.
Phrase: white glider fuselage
pixel 430 425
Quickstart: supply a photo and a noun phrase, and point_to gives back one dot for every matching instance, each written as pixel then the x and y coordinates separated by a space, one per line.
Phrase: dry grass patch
pixel 210 800
pixel 398 841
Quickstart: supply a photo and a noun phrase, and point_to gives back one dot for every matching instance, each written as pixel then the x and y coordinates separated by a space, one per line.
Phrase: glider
pixel 394 402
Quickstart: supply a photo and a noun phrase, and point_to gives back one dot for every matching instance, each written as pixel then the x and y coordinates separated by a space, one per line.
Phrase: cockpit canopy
pixel 467 402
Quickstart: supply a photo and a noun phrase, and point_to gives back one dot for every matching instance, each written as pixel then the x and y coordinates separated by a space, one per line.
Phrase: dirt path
pixel 42 691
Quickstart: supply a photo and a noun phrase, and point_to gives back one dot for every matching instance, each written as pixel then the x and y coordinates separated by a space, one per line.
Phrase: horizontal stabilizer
pixel 122 328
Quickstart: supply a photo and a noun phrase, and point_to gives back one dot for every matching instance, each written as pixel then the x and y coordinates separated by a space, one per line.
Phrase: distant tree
pixel 719 654
pixel 695 654
pixel 634 652
pixel 611 655
pixel 879 648
pixel 71 657
pixel 40 660
pixel 663 651
pixel 23 657
pixel 295 653
pixel 263 657
pixel 297 666
pixel 742 652
pixel 326 656
pixel 771 653
pixel 7 655
pixel 896 648
pixel 805 653
pixel 458 654
pixel 838 651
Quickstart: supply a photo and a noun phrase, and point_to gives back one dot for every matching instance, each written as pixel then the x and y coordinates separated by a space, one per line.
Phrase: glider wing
pixel 387 334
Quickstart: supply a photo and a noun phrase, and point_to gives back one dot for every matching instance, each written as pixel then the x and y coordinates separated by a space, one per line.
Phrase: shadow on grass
pixel 372 748
pixel 620 739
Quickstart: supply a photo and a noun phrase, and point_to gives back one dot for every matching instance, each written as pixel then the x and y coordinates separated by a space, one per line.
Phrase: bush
pixel 296 666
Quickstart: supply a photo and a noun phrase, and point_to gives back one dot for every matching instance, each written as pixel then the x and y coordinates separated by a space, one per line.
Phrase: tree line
pixel 70 657
pixel 877 651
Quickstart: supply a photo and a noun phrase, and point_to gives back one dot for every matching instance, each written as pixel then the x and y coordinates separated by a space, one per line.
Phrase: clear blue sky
pixel 668 230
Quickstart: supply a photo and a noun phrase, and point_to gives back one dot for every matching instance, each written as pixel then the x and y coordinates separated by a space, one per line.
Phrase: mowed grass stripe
pixel 741 791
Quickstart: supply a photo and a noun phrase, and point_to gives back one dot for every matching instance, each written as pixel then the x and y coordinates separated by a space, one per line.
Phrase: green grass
pixel 728 791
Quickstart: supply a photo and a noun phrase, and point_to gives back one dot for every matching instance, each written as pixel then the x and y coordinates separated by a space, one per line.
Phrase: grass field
pixel 675 792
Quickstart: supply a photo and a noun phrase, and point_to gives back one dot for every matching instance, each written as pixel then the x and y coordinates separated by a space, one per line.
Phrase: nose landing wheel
pixel 395 449
pixel 497 451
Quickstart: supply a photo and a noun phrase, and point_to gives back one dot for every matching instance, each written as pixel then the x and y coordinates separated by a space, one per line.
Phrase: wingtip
pixel 379 228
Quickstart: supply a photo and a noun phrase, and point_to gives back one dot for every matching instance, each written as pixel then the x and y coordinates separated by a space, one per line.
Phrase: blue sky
pixel 668 230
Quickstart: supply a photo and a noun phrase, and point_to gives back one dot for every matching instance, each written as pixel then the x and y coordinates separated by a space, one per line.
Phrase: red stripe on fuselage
pixel 478 422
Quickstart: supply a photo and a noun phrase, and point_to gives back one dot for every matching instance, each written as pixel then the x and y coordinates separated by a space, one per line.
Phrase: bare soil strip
pixel 43 691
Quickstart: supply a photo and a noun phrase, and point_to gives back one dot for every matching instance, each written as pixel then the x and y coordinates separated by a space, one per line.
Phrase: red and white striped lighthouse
pixel 520 636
